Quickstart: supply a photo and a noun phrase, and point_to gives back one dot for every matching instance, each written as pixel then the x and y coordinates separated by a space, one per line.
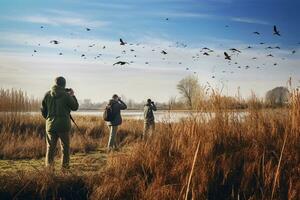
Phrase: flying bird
pixel 205 48
pixel 60 54
pixel 34 51
pixel 82 55
pixel 120 63
pixel 54 41
pixel 42 27
pixel 275 31
pixel 164 52
pixel 87 29
pixel 122 42
pixel 235 50
pixel 270 55
pixel 227 57
pixel 257 33
pixel 206 54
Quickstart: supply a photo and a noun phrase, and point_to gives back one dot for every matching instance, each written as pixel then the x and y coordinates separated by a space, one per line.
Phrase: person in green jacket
pixel 117 105
pixel 149 123
pixel 56 107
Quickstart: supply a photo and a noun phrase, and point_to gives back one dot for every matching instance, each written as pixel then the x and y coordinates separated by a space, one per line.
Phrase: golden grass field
pixel 226 157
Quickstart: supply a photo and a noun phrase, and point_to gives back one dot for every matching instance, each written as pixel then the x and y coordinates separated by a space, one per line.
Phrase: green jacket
pixel 56 107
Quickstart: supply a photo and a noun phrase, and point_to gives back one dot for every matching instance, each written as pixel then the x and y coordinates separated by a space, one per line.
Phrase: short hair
pixel 60 81
pixel 115 96
pixel 149 100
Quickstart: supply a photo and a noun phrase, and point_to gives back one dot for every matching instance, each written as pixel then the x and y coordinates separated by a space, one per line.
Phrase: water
pixel 160 116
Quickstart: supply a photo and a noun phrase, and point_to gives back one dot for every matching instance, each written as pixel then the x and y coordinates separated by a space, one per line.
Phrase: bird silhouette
pixel 120 63
pixel 235 50
pixel 54 42
pixel 34 51
pixel 205 48
pixel 206 54
pixel 275 31
pixel 42 27
pixel 122 42
pixel 294 51
pixel 270 55
pixel 82 55
pixel 164 52
pixel 257 33
pixel 87 29
pixel 60 54
pixel 227 57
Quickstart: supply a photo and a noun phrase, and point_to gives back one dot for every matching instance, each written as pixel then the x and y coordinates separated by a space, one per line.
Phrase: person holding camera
pixel 56 107
pixel 116 105
pixel 149 123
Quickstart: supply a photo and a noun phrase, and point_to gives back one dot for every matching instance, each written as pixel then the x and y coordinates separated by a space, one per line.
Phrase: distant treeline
pixel 12 100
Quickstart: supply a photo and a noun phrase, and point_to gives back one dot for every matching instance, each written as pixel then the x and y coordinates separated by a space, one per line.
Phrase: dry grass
pixel 238 157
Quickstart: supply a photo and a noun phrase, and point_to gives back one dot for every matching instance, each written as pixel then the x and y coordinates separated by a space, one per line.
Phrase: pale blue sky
pixel 217 24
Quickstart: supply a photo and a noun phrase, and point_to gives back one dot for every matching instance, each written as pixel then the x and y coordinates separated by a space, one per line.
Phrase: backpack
pixel 108 113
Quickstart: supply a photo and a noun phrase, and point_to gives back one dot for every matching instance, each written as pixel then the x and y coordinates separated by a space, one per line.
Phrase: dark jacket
pixel 117 106
pixel 56 107
pixel 148 112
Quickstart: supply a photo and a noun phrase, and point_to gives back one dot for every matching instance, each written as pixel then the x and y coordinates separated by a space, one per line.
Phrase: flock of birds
pixel 228 55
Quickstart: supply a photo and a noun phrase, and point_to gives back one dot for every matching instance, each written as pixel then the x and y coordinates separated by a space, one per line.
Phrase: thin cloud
pixel 249 20
pixel 186 15
pixel 60 21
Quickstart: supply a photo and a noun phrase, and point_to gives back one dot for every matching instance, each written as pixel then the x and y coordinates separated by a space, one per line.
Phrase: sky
pixel 179 27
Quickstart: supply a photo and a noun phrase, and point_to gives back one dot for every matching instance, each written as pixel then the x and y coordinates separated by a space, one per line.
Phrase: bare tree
pixel 277 96
pixel 190 90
